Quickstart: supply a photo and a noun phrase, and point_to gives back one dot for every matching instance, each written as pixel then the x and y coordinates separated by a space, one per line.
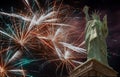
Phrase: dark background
pixel 110 7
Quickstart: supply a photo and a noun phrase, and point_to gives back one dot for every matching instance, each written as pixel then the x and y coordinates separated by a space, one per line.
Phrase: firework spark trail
pixel 19 34
pixel 67 53
pixel 36 21
pixel 43 18
pixel 5 68
pixel 53 37
pixel 11 64
pixel 23 37
pixel 77 49
pixel 59 30
pixel 54 32
pixel 15 15
pixel 26 2
pixel 78 62
pixel 67 59
pixel 59 52
pixel 63 54
pixel 16 55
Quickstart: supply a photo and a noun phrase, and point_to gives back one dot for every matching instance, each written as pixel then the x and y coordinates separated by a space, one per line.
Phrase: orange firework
pixel 52 32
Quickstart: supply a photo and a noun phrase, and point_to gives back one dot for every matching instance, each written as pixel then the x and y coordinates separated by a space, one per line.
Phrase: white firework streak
pixel 37 21
pixel 59 52
pixel 15 56
pixel 15 15
pixel 53 39
pixel 59 30
pixel 77 62
pixel 74 48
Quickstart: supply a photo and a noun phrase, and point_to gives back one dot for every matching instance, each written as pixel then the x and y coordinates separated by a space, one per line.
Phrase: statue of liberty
pixel 95 37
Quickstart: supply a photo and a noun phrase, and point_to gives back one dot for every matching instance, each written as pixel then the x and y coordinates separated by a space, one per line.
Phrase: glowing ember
pixel 2 69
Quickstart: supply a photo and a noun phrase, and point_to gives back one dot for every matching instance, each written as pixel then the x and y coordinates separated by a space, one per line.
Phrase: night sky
pixel 109 7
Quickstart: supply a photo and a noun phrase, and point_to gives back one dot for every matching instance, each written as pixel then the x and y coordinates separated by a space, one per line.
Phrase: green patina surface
pixel 95 37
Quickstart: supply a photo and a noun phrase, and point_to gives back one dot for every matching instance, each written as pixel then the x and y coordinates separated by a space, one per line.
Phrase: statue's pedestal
pixel 93 68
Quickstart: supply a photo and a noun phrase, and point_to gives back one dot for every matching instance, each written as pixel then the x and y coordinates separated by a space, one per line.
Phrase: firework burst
pixel 65 55
pixel 50 28
pixel 10 65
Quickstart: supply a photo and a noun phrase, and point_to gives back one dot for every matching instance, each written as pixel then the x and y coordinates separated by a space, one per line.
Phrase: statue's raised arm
pixel 95 38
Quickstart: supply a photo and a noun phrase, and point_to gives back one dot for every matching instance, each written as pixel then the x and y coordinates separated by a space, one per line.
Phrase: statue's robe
pixel 96 33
